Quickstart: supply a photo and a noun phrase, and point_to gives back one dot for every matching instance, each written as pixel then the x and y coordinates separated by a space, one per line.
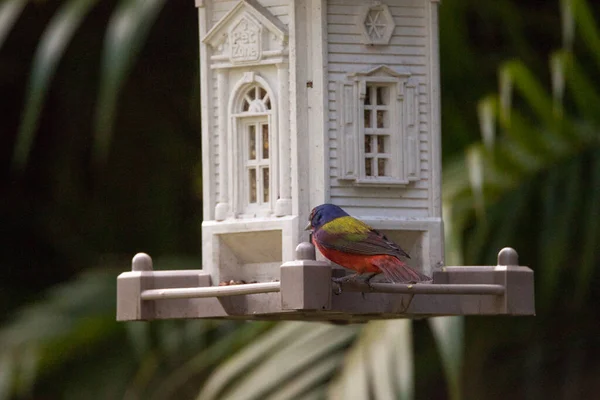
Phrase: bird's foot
pixel 337 285
pixel 337 288
pixel 367 279
pixel 353 278
pixel 344 279
pixel 338 282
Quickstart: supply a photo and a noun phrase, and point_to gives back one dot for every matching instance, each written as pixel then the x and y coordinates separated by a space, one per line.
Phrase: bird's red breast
pixel 357 262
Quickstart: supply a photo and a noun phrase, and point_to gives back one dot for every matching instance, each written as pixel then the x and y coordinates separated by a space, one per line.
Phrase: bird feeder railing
pixel 306 291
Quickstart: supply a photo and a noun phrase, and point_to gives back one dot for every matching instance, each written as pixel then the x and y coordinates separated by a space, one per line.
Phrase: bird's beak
pixel 308 227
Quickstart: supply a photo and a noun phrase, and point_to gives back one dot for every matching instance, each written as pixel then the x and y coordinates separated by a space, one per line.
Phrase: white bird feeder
pixel 311 102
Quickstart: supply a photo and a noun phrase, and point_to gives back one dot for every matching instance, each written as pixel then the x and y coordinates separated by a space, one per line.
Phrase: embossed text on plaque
pixel 245 40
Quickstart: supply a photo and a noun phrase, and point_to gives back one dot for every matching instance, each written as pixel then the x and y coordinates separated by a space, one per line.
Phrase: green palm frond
pixel 380 362
pixel 125 36
pixel 310 360
pixel 9 14
pixel 127 31
pixel 72 330
pixel 55 330
pixel 290 361
pixel 448 333
pixel 541 164
pixel 582 15
pixel 51 48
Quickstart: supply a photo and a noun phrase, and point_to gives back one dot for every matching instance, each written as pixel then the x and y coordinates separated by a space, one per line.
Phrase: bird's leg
pixel 337 284
pixel 367 279
pixel 345 278
pixel 341 280
pixel 338 288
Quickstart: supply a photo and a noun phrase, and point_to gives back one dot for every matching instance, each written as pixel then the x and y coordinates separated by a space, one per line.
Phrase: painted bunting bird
pixel 355 245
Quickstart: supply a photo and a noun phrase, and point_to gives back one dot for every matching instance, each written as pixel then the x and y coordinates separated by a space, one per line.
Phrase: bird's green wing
pixel 350 235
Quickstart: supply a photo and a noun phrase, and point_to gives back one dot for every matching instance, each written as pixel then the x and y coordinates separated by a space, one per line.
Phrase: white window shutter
pixel 348 131
pixel 412 155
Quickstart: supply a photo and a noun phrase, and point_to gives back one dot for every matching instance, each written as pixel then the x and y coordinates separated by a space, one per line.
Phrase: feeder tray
pixel 306 292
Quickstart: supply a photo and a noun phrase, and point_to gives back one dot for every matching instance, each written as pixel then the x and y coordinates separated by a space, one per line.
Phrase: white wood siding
pixel 220 8
pixel 408 48
pixel 279 8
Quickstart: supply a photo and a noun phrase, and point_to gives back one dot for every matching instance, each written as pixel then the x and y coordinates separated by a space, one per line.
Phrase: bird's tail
pixel 398 272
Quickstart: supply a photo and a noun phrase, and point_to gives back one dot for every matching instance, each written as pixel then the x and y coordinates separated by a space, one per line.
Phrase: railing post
pixel 130 285
pixel 306 282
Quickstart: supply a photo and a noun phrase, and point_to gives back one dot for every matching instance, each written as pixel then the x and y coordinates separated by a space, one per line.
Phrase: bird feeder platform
pixel 306 292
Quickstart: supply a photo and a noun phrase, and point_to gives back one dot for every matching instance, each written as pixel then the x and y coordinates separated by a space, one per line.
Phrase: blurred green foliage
pixel 100 158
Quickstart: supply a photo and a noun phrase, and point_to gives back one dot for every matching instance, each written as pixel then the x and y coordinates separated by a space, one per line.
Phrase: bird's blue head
pixel 323 214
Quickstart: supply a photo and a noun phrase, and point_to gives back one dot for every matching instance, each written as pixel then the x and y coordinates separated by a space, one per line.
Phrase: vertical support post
pixel 306 283
pixel 300 149
pixel 222 208
pixel 317 96
pixel 519 298
pixel 130 285
pixel 435 233
pixel 283 206
pixel 208 186
pixel 435 131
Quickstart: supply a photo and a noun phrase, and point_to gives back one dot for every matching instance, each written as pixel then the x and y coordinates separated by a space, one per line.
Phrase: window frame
pixel 404 121
pixel 239 173
pixel 394 121
pixel 259 163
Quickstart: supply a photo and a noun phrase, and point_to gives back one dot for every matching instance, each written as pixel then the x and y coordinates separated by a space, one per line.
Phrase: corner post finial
pixel 305 251
pixel 508 256
pixel 141 262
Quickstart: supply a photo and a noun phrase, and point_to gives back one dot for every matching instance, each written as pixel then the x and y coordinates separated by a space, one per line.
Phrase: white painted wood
pixel 215 291
pixel 400 135
pixel 222 208
pixel 283 205
pixel 435 110
pixel 317 83
pixel 208 167
pixel 239 121
pixel 376 24
pixel 318 60
pixel 298 51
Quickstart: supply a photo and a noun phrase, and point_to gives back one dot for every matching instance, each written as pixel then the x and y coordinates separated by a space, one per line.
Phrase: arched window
pixel 256 99
pixel 254 139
